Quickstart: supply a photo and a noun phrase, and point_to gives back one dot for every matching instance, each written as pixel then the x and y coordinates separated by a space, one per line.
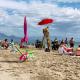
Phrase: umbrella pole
pixel 18 50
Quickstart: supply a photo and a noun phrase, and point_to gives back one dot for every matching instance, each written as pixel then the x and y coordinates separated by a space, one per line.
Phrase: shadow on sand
pixel 9 61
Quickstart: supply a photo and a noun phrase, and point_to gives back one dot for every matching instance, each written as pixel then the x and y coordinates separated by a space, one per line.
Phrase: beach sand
pixel 43 66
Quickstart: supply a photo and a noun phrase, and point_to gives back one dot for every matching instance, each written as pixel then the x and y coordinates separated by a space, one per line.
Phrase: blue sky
pixel 66 15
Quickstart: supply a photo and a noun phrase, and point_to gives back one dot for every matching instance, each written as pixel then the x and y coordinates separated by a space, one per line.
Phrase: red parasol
pixel 45 21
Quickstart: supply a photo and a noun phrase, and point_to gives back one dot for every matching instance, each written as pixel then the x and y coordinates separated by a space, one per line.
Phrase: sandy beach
pixel 43 66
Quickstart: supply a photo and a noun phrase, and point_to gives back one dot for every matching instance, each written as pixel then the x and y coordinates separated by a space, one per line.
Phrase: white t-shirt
pixel 61 50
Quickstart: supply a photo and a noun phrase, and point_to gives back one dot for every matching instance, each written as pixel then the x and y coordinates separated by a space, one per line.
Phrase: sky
pixel 65 13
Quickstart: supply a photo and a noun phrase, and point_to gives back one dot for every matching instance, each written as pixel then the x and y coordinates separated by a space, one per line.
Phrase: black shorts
pixel 72 45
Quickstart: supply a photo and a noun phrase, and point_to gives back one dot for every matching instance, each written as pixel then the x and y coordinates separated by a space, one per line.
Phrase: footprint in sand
pixel 15 75
pixel 0 66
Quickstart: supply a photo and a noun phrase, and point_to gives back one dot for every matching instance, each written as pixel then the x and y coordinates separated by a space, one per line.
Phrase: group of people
pixel 64 48
pixel 56 43
pixel 47 44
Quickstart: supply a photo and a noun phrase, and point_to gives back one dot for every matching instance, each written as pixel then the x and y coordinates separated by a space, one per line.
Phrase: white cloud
pixel 50 1
pixel 12 4
pixel 69 1
pixel 35 11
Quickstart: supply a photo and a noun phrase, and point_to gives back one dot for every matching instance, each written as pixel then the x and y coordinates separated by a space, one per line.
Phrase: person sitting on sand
pixel 64 50
pixel 55 44
pixel 5 44
pixel 38 44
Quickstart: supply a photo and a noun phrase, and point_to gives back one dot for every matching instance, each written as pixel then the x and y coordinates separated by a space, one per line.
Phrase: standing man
pixel 46 40
pixel 71 42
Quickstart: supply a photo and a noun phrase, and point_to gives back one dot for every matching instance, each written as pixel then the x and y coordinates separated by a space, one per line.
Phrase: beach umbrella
pixel 25 38
pixel 23 57
pixel 45 21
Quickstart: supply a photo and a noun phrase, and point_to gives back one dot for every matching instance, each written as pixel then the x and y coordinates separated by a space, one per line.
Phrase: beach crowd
pixel 63 47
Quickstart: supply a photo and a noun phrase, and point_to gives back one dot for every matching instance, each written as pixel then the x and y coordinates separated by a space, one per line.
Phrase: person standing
pixel 46 39
pixel 66 41
pixel 71 42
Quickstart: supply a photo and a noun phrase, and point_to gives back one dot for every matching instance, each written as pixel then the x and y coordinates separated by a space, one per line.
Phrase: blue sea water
pixel 76 44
